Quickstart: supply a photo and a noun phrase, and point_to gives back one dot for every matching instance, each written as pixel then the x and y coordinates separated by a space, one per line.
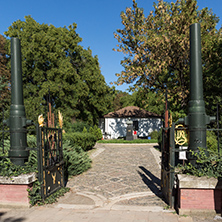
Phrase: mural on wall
pixel 113 125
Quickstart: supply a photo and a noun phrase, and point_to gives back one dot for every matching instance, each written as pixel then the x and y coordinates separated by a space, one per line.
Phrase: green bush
pixel 211 141
pixel 84 130
pixel 76 127
pixel 208 163
pixel 85 140
pixel 76 160
pixel 154 135
pixel 96 131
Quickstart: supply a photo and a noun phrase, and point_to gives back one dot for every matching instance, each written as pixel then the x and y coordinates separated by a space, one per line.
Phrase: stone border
pixel 103 203
pixel 21 179
pixel 193 182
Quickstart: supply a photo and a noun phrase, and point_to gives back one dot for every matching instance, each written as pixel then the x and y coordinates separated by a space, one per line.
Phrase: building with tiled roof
pixel 113 124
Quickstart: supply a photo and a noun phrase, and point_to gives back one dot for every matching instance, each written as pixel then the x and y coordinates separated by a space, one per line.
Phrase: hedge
pixel 85 140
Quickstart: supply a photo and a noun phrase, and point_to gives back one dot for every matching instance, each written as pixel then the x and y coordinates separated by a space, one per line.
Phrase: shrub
pixel 208 163
pixel 76 160
pixel 85 140
pixel 154 135
pixel 211 141
pixel 76 127
pixel 96 131
pixel 84 130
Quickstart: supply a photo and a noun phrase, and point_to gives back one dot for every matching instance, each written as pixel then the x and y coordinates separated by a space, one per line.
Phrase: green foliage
pixel 54 197
pixel 4 76
pixel 154 135
pixel 150 101
pixel 76 160
pixel 156 49
pixel 85 130
pixel 96 131
pixel 91 130
pixel 118 100
pixel 143 98
pixel 34 194
pixel 128 141
pixel 208 162
pixel 35 197
pixel 8 169
pixel 212 141
pixel 77 126
pixel 53 59
pixel 85 140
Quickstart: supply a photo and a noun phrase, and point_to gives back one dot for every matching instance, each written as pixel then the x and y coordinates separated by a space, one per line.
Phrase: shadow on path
pixel 10 219
pixel 151 181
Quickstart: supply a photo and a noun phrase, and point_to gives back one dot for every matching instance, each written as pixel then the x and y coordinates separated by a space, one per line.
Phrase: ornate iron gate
pixel 167 164
pixel 50 160
pixel 173 139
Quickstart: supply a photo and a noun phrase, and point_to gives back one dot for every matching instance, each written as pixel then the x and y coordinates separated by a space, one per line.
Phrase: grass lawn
pixel 128 141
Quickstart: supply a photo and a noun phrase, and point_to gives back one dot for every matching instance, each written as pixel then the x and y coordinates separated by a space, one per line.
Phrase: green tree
pixel 4 75
pixel 123 99
pixel 151 101
pixel 52 59
pixel 97 99
pixel 213 79
pixel 156 47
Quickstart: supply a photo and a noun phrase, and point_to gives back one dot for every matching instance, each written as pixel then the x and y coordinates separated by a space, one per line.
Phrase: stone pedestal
pixel 197 194
pixel 13 190
pixel 129 130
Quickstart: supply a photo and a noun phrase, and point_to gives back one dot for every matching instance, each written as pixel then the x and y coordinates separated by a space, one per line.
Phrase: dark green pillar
pixel 197 118
pixel 17 120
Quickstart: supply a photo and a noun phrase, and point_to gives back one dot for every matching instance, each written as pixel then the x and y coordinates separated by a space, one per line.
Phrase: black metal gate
pixel 50 160
pixel 167 164
pixel 173 140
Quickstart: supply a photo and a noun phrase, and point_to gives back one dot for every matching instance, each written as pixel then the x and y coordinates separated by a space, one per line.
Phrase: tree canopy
pixel 156 47
pixel 53 60
pixel 4 75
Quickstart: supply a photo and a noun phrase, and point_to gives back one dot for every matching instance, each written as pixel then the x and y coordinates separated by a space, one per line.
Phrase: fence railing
pixel 49 157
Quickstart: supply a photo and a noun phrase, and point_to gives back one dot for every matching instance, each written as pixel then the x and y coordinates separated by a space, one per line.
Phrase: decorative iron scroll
pixel 51 160
pixel 51 163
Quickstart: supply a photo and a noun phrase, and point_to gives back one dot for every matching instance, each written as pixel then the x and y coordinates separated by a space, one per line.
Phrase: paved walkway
pixel 123 185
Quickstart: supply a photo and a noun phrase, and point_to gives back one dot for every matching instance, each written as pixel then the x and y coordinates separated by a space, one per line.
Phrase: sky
pixel 96 21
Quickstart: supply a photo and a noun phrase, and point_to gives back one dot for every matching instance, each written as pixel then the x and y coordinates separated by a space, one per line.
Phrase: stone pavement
pixel 123 185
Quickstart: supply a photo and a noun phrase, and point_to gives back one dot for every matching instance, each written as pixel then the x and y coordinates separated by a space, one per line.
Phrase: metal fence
pixel 173 152
pixel 49 157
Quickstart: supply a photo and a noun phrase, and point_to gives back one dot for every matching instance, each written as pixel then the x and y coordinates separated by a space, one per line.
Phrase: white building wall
pixel 116 127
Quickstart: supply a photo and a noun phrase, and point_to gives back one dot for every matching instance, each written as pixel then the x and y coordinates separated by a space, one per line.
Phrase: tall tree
pixel 156 47
pixel 213 78
pixel 53 60
pixel 122 99
pixel 150 101
pixel 4 75
pixel 97 99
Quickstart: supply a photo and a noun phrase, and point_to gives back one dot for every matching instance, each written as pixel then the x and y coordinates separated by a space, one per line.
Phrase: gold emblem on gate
pixel 180 135
pixel 54 177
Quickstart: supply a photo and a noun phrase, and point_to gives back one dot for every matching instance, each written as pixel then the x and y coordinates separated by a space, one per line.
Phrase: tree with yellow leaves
pixel 156 47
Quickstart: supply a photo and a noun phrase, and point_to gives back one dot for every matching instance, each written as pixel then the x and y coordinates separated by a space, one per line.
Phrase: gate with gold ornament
pixel 50 155
pixel 173 138
pixel 50 160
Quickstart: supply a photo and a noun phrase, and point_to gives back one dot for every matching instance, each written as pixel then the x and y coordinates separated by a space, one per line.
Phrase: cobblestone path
pixel 127 174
